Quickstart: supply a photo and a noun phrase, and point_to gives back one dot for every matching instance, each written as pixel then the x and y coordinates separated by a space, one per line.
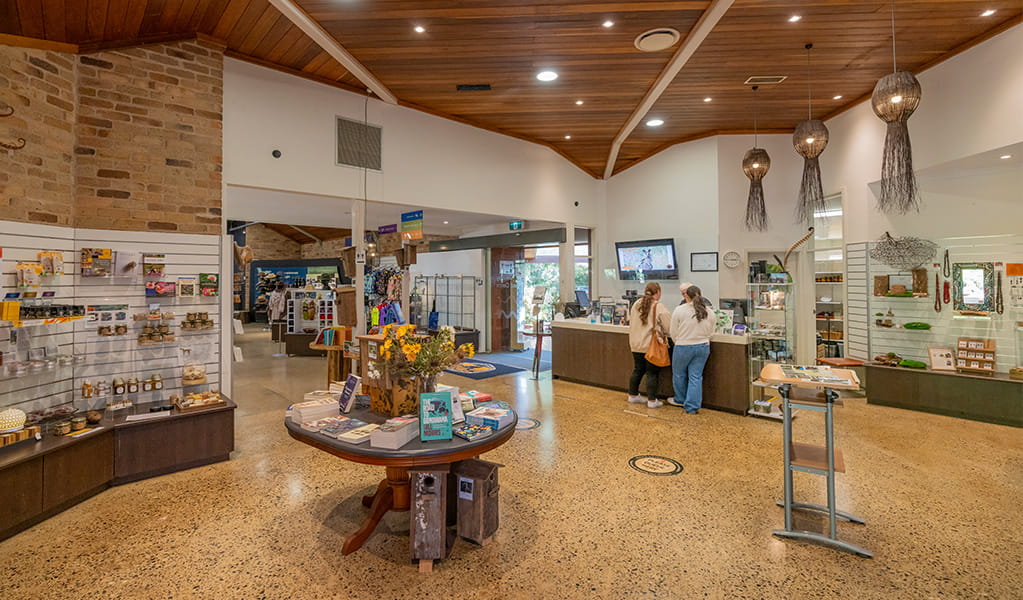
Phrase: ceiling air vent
pixel 765 79
pixel 358 144
pixel 473 87
pixel 657 39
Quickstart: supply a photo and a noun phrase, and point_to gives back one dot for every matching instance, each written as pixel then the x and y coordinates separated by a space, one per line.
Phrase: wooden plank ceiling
pixel 504 43
pixel 310 235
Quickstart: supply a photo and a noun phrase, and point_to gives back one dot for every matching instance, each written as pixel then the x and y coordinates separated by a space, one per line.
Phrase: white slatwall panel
pixel 858 287
pixel 945 329
pixel 108 357
pixel 22 242
pixel 123 356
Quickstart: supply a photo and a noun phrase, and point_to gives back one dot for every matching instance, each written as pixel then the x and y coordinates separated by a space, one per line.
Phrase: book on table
pixel 340 426
pixel 435 416
pixel 359 435
pixel 320 424
pixel 472 432
pixel 395 433
pixel 311 410
pixel 457 412
pixel 347 392
pixel 494 418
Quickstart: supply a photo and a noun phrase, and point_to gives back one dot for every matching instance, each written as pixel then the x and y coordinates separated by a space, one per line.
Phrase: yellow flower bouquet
pixel 408 365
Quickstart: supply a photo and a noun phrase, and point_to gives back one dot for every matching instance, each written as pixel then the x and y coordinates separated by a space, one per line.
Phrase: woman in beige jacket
pixel 646 313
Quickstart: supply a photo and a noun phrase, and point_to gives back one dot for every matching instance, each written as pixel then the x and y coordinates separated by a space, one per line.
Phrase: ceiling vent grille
pixel 358 144
pixel 765 79
pixel 473 87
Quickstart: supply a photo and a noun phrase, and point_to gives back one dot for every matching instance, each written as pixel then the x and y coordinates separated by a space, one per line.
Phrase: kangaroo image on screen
pixel 647 259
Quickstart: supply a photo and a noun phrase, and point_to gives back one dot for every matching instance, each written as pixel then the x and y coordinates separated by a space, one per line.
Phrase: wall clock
pixel 731 259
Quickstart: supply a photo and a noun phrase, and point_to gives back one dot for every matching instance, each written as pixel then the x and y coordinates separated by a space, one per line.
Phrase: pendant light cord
pixel 895 66
pixel 755 115
pixel 809 83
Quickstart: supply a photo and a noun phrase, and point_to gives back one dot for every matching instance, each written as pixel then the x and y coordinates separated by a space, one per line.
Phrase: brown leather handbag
pixel 657 352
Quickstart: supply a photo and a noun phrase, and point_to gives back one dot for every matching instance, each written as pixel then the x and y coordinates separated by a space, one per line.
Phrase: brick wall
pixel 267 244
pixel 36 181
pixel 149 138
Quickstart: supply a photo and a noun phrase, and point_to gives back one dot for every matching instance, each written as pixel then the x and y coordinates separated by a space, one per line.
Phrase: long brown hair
pixel 647 301
pixel 696 299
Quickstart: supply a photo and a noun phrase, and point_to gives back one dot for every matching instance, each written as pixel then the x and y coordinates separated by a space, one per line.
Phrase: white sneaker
pixel 636 399
pixel 654 404
pixel 673 402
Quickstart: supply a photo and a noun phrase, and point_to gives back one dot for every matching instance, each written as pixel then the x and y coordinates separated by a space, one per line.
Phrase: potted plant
pixel 408 365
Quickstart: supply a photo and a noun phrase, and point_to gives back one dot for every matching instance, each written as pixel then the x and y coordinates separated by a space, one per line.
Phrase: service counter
pixel 598 354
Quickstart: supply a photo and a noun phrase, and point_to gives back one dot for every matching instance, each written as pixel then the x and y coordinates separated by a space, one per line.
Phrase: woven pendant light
pixel 755 165
pixel 895 97
pixel 810 139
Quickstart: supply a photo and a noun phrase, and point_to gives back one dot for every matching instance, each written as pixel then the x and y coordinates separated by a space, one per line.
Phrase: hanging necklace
pixel 946 269
pixel 937 294
pixel 999 302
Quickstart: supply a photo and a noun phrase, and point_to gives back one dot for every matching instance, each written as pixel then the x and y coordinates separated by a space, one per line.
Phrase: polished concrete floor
pixel 941 497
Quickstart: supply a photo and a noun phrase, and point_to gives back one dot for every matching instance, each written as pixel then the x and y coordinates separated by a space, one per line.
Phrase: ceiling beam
pixel 303 21
pixel 306 233
pixel 690 44
pixel 245 226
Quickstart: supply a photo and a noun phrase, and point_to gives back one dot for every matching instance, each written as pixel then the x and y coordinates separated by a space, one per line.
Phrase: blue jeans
pixel 687 364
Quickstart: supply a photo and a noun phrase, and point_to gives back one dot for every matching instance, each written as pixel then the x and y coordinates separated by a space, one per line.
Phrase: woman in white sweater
pixel 691 328
pixel 646 313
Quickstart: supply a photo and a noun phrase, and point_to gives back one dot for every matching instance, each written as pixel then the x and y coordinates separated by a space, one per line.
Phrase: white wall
pixel 971 103
pixel 781 188
pixel 673 194
pixel 459 262
pixel 427 161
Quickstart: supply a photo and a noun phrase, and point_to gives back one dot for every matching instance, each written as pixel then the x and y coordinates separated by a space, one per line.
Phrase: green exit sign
pixel 516 225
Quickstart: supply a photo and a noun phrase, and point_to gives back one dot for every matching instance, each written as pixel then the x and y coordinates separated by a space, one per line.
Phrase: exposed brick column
pixel 149 138
pixel 36 182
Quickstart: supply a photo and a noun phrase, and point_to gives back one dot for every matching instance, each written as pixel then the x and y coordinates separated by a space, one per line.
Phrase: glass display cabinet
pixel 772 330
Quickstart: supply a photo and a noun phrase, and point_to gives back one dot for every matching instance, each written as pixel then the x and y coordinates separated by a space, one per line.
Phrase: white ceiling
pixel 292 208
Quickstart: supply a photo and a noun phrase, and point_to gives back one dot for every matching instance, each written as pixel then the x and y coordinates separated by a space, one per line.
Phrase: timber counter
pixel 992 399
pixel 598 354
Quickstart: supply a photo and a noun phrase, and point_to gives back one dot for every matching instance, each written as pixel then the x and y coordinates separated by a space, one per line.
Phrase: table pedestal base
pixel 393 494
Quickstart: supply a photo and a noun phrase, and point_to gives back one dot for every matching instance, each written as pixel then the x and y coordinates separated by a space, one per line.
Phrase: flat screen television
pixel 647 259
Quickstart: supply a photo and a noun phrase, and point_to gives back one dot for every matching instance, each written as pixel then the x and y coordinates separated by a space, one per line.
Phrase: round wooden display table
pixel 393 492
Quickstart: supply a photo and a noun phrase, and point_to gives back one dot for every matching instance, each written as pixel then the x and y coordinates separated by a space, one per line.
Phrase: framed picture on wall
pixel 942 359
pixel 703 261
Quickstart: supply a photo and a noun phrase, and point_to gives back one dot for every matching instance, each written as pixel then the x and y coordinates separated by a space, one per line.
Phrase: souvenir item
pixel 96 262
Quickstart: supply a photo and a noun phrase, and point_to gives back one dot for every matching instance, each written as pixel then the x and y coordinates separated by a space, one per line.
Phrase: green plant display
pixel 917 325
pixel 913 364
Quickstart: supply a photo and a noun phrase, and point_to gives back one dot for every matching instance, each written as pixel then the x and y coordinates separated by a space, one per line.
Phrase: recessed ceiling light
pixel 794 18
pixel 1005 156
pixel 420 29
pixel 655 123
pixel 837 97
pixel 578 102
pixel 546 75
pixel 445 222
pixel 608 24
pixel 707 99
pixel 988 12
pixel 568 137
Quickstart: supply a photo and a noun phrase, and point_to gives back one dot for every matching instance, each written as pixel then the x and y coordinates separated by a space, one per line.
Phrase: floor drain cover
pixel 655 465
pixel 527 424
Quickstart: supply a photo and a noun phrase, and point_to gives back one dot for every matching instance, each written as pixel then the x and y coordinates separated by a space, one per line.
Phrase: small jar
pixel 62 428
pixel 190 317
pixel 148 329
pixel 78 423
pixel 186 324
pixel 156 337
pixel 35 366
pixel 20 369
pixel 163 328
pixel 120 329
pixel 157 382
pixel 50 363
pixel 79 359
pixel 133 386
pixel 143 338
pixel 203 316
pixel 87 389
pixel 102 389
pixel 118 386
pixel 105 330
pixel 147 385
pixel 64 360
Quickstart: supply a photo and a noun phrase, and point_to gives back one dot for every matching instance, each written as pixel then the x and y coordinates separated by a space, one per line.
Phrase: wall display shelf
pixel 55 368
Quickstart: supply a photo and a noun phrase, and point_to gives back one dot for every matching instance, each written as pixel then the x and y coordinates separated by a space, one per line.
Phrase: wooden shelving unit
pixel 975 355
